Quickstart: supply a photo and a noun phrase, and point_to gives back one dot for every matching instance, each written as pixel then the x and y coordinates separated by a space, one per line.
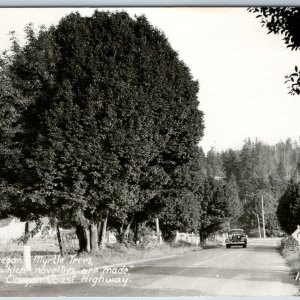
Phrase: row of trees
pixel 257 170
pixel 99 127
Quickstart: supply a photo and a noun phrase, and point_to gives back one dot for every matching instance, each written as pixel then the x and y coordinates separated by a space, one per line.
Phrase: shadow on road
pixel 213 272
pixel 254 248
pixel 211 246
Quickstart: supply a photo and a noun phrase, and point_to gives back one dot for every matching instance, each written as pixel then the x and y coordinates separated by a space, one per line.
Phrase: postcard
pixel 149 151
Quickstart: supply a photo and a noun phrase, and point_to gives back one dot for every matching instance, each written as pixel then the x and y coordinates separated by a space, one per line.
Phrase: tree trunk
pixel 107 236
pixel 87 239
pixel 157 230
pixel 94 237
pixel 26 232
pixel 26 228
pixel 202 237
pixel 136 231
pixel 59 241
pixel 99 232
pixel 81 238
pixel 103 234
pixel 121 233
pixel 126 233
pixel 122 228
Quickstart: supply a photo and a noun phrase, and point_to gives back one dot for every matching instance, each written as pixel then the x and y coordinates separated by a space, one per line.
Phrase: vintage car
pixel 236 237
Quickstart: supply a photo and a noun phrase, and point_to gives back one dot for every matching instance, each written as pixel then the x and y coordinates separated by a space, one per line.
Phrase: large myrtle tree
pixel 110 113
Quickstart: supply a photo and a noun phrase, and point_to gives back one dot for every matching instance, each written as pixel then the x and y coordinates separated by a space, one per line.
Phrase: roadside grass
pixel 291 253
pixel 212 244
pixel 119 253
pixel 113 254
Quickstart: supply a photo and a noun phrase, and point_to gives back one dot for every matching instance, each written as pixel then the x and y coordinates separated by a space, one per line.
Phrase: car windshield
pixel 236 231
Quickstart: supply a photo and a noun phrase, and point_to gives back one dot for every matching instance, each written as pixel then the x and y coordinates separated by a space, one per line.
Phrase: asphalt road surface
pixel 258 270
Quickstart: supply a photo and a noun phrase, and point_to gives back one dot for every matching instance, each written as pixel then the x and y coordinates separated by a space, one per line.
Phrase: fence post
pixel 27 258
pixel 176 237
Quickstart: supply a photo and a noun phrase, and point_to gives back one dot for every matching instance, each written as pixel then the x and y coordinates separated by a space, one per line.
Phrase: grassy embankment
pixel 290 250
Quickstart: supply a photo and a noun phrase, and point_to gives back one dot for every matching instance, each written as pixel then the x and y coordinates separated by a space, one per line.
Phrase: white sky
pixel 240 68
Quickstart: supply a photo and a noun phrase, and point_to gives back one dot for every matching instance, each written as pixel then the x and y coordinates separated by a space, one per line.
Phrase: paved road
pixel 255 271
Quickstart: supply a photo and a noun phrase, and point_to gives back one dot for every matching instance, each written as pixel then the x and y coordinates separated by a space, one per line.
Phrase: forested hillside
pixel 257 170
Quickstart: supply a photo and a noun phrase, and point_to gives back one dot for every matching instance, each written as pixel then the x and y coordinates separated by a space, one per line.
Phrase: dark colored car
pixel 236 237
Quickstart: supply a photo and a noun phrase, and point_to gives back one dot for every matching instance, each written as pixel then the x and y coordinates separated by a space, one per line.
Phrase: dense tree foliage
pixel 260 170
pixel 111 122
pixel 12 104
pixel 213 165
pixel 235 205
pixel 214 207
pixel 289 207
pixel 181 199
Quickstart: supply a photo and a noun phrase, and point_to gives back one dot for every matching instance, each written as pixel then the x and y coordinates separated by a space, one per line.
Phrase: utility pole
pixel 263 216
pixel 258 226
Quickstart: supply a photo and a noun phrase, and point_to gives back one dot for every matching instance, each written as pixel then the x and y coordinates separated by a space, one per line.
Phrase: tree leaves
pixel 112 114
pixel 289 207
pixel 284 21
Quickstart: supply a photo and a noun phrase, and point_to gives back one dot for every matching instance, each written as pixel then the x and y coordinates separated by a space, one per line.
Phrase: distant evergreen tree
pixel 231 164
pixel 214 165
pixel 235 204
pixel 214 198
pixel 288 210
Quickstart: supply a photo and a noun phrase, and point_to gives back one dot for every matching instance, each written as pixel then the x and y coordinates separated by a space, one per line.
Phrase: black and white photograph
pixel 149 151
